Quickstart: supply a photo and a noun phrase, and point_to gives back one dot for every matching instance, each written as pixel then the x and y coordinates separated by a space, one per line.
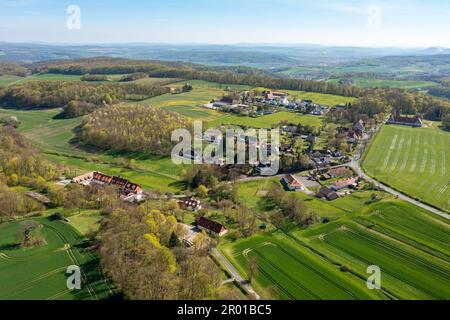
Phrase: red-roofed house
pixel 292 183
pixel 210 226
pixel 128 191
pixel 344 183
pixel 405 121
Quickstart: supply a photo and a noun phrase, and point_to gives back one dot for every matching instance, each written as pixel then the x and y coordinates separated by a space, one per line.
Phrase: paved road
pixel 355 165
pixel 237 277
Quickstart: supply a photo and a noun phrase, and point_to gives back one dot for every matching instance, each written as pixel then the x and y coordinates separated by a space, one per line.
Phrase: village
pixel 255 104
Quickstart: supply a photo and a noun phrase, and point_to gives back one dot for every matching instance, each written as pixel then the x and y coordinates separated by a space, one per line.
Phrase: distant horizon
pixel 237 44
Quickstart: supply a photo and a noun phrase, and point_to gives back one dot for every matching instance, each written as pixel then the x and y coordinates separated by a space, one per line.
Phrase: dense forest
pixel 442 91
pixel 77 98
pixel 406 102
pixel 21 165
pixel 136 128
pixel 13 69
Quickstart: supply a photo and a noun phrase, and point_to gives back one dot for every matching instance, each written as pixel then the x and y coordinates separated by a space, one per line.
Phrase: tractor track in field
pixel 392 274
pixel 320 274
pixel 75 261
pixel 387 233
pixel 287 275
pixel 443 272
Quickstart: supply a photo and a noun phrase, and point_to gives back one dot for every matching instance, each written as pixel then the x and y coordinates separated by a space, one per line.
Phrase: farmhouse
pixel 405 121
pixel 344 183
pixel 128 191
pixel 327 193
pixel 210 226
pixel 339 172
pixel 292 183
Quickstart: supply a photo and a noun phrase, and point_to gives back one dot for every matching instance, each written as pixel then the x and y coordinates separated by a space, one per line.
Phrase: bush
pixel 56 216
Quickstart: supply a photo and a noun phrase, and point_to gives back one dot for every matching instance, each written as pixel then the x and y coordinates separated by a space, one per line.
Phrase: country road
pixel 237 277
pixel 357 167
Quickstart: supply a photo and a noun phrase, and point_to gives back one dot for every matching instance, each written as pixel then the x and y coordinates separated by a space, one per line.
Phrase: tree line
pixel 243 76
pixel 77 98
pixel 13 69
pixel 141 250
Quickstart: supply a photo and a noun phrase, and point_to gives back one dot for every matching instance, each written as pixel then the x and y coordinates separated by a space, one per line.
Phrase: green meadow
pixel 39 273
pixel 319 98
pixel 7 80
pixel 57 139
pixel 251 193
pixel 414 161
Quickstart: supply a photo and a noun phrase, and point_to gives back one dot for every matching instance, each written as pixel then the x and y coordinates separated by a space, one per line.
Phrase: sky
pixel 369 23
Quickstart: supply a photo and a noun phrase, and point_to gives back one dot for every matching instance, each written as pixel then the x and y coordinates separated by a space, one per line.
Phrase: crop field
pixel 40 273
pixel 414 161
pixel 381 83
pixel 410 224
pixel 289 271
pixel 408 244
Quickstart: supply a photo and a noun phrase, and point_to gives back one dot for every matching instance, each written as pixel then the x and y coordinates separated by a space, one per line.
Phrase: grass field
pixel 86 221
pixel 381 83
pixel 6 80
pixel 54 136
pixel 414 161
pixel 267 121
pixel 40 273
pixel 251 194
pixel 319 98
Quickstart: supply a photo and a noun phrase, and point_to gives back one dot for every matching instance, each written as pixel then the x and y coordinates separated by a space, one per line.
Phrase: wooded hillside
pixel 135 128
pixel 77 98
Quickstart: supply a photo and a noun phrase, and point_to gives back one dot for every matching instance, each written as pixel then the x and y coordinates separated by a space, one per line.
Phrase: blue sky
pixel 401 23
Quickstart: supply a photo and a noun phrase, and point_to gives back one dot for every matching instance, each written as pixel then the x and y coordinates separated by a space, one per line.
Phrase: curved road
pixel 356 166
